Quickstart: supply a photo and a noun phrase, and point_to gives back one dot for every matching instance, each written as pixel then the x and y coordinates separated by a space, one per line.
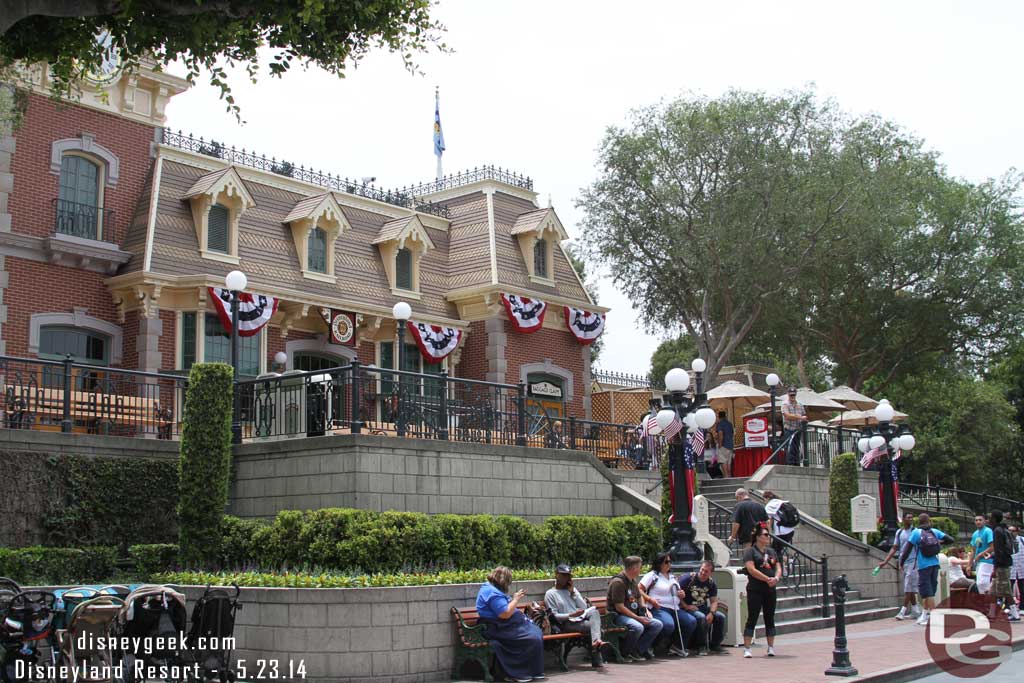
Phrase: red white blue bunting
pixel 254 310
pixel 435 342
pixel 584 325
pixel 527 315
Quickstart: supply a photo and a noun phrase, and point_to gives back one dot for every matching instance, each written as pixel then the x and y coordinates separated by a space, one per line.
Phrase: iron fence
pixel 468 177
pixel 80 220
pixel 71 397
pixel 941 500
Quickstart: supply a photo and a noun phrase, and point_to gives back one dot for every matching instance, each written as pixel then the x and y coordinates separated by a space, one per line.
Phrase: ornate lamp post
pixel 773 383
pixel 235 282
pixel 892 437
pixel 695 414
pixel 402 312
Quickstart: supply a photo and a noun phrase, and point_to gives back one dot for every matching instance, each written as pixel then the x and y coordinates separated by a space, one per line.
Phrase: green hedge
pixel 148 559
pixel 205 465
pixel 41 566
pixel 842 487
pixel 347 540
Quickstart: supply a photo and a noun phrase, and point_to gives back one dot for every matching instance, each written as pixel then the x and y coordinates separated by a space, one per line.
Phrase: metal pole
pixel 841 665
pixel 400 418
pixel 442 431
pixel 771 425
pixel 891 523
pixel 521 414
pixel 355 423
pixel 236 412
pixel 66 424
pixel 685 554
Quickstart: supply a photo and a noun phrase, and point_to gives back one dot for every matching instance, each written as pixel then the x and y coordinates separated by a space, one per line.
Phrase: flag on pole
pixel 689 458
pixel 674 428
pixel 438 133
pixel 698 442
pixel 871 456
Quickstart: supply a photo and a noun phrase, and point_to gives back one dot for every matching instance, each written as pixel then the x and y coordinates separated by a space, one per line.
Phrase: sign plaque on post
pixel 755 432
pixel 863 515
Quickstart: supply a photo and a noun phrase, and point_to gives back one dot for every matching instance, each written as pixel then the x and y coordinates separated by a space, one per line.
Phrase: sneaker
pixel 596 661
pixel 542 677
pixel 675 650
pixel 719 650
pixel 923 619
pixel 746 654
pixel 524 680
pixel 902 614
pixel 916 610
pixel 703 652
pixel 634 658
pixel 771 651
pixel 648 654
pixel 1014 613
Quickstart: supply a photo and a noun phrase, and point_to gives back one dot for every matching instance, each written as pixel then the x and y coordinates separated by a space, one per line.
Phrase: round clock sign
pixel 342 328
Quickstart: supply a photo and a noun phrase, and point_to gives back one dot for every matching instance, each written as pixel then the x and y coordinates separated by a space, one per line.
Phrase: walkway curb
pixel 913 672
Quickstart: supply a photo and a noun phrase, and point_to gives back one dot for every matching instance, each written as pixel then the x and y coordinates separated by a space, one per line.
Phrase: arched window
pixel 309 362
pixel 403 269
pixel 78 205
pixel 540 258
pixel 317 251
pixel 84 346
pixel 218 226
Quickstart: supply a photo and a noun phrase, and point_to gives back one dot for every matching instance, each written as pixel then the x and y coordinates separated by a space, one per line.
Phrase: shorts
pixel 928 581
pixel 1001 587
pixel 725 455
pixel 984 573
pixel 910 580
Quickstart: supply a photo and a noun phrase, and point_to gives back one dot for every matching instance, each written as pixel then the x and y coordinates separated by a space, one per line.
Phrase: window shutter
pixel 403 269
pixel 217 229
pixel 317 247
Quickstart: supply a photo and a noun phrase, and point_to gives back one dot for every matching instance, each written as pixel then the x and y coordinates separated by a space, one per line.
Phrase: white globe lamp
pixel 698 365
pixel 280 357
pixel 705 418
pixel 862 444
pixel 236 281
pixel 664 418
pixel 876 441
pixel 677 380
pixel 401 311
pixel 772 379
pixel 907 442
pixel 884 412
pixel 690 421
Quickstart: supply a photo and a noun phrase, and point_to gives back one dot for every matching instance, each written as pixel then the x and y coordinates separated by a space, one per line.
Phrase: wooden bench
pixel 471 645
pixel 23 405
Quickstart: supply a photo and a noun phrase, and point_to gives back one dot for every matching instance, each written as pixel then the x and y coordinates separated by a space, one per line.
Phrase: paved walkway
pixel 876 647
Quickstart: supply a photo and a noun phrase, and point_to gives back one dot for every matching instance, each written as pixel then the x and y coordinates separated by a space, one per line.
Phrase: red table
pixel 748 460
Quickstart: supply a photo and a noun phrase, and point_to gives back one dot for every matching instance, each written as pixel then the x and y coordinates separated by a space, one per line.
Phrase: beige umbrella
pixel 859 418
pixel 735 393
pixel 815 404
pixel 850 398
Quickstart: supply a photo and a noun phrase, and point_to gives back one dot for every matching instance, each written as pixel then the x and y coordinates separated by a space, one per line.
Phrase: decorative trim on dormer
pixel 86 143
pixel 324 212
pixel 533 227
pixel 224 187
pixel 403 233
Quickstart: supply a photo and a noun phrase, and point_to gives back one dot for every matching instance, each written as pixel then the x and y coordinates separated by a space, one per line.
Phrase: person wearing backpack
pixel 784 518
pixel 926 542
pixel 1002 556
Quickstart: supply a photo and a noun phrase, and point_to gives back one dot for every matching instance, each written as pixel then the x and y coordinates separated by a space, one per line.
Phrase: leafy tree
pixel 671 353
pixel 706 210
pixel 576 258
pixel 207 34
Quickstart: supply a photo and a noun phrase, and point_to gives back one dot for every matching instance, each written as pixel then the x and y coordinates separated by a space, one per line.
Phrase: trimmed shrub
pixel 37 565
pixel 236 540
pixel 205 463
pixel 471 541
pixel 579 540
pixel 842 487
pixel 635 535
pixel 148 559
pixel 526 542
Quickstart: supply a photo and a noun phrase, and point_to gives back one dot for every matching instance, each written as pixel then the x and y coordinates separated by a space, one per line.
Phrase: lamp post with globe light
pixel 235 282
pixel 773 383
pixel 695 414
pixel 892 437
pixel 401 312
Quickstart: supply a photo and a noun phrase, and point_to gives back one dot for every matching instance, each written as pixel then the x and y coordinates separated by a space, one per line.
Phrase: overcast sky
pixel 533 84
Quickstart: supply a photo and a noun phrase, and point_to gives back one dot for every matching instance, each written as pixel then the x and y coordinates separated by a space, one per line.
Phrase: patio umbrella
pixel 859 418
pixel 735 393
pixel 850 398
pixel 815 404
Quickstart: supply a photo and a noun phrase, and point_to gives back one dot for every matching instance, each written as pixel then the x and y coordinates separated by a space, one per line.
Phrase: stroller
pixel 26 628
pixel 154 614
pixel 211 636
pixel 8 589
pixel 86 616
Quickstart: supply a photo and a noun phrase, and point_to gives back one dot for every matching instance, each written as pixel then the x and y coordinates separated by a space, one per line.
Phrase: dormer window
pixel 402 243
pixel 538 233
pixel 218 201
pixel 316 223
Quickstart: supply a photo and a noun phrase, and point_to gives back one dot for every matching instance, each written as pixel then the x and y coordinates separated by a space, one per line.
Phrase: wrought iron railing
pixel 467 177
pixel 406 197
pixel 626 380
pixel 805 575
pixel 941 500
pixel 80 220
pixel 72 397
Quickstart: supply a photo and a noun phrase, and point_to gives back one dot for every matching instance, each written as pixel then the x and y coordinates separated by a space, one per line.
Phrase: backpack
pixel 789 516
pixel 929 544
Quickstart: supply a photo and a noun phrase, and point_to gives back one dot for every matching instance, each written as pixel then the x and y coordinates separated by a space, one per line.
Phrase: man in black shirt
pixel 700 596
pixel 747 515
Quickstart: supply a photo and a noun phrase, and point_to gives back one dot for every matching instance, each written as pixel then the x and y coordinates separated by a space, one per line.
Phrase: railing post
pixel 824 586
pixel 355 423
pixel 984 503
pixel 442 432
pixel 572 432
pixel 65 423
pixel 521 414
pixel 938 500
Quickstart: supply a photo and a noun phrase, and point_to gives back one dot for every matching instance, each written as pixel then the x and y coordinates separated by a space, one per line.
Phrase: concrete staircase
pixel 794 612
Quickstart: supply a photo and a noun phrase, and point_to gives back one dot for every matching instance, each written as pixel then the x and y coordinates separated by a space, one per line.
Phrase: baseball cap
pixel 563 569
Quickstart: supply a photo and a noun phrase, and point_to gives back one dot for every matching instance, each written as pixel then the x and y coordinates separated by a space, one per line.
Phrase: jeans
pixel 668 618
pixel 717 629
pixel 639 638
pixel 793 452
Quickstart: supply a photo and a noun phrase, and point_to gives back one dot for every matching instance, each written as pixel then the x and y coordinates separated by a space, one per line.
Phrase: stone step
pixel 811 623
pixel 790 599
pixel 812 611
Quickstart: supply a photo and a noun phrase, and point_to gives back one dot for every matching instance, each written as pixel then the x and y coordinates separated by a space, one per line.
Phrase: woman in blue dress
pixel 518 643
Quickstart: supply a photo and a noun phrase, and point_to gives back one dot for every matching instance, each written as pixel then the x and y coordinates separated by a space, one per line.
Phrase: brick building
pixel 112 228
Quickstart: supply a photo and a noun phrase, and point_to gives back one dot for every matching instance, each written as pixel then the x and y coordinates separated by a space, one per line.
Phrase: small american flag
pixel 649 423
pixel 871 456
pixel 674 428
pixel 698 442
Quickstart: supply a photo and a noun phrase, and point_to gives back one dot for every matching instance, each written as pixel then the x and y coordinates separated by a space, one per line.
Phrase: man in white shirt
pixel 910 608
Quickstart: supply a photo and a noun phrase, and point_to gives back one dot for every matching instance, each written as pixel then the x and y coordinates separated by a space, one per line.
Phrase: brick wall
pixel 35 187
pixel 557 345
pixel 473 364
pixel 168 359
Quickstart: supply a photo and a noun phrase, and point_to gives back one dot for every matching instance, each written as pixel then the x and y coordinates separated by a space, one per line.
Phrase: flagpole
pixel 437 108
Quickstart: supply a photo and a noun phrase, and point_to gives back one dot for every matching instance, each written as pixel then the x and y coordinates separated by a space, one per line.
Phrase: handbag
pixel 540 615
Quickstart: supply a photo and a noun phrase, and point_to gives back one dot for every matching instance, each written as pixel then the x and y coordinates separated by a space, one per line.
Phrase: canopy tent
pixel 851 399
pixel 735 393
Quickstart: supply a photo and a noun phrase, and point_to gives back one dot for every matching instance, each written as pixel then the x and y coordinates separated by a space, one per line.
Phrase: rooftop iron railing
pixel 467 177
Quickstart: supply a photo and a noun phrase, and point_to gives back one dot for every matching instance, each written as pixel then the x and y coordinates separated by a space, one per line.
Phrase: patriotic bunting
pixel 584 325
pixel 527 315
pixel 435 342
pixel 254 310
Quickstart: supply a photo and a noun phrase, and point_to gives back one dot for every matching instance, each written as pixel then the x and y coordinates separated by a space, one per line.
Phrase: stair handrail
pixel 1008 504
pixel 792 559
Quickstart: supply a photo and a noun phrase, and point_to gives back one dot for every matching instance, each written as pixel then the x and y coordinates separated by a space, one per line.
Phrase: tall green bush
pixel 205 463
pixel 55 566
pixel 842 486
